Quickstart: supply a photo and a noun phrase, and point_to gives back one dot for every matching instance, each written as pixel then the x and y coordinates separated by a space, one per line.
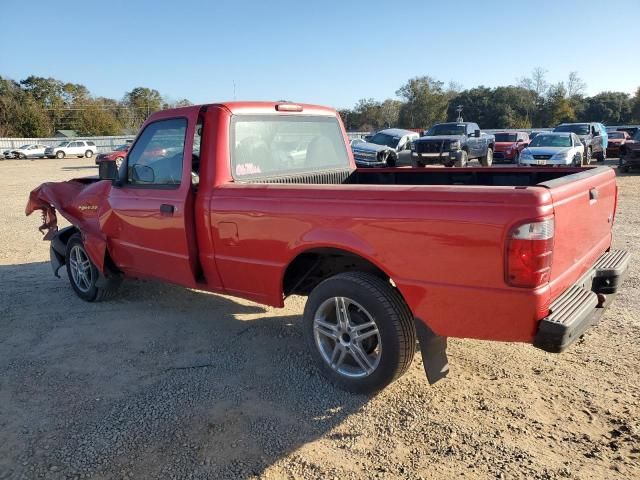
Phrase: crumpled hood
pixel 83 203
pixel 369 147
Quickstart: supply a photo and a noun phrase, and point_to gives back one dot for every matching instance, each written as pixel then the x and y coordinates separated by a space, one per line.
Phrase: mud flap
pixel 57 260
pixel 434 352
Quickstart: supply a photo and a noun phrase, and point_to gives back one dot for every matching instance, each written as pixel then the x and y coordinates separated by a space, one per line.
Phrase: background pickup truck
pixel 453 144
pixel 263 201
pixel 384 148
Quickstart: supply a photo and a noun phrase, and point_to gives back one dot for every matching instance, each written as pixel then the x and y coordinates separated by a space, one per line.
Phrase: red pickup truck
pixel 263 201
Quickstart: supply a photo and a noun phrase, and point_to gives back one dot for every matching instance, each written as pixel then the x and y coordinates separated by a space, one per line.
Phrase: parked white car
pixel 31 150
pixel 75 148
pixel 553 148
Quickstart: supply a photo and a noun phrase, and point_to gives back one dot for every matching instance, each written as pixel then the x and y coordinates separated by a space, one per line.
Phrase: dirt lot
pixel 164 382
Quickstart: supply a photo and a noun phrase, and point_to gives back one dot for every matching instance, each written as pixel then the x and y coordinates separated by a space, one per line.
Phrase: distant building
pixel 65 134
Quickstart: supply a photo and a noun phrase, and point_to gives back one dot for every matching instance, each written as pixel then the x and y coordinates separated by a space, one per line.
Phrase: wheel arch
pixel 312 265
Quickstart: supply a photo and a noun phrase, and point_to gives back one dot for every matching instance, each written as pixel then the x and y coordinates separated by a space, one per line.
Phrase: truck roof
pixel 248 107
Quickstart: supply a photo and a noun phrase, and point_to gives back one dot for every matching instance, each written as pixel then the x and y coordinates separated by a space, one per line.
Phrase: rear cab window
pixel 264 146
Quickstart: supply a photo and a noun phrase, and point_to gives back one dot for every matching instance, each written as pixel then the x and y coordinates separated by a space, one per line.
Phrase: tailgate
pixel 584 206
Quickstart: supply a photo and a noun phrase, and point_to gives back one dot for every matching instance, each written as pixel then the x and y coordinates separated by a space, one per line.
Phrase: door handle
pixel 593 194
pixel 166 209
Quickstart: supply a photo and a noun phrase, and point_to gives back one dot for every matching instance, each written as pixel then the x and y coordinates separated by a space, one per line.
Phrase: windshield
pixel 547 140
pixel 616 135
pixel 63 144
pixel 24 147
pixel 446 129
pixel 384 139
pixel 274 145
pixel 506 137
pixel 578 129
pixel 121 148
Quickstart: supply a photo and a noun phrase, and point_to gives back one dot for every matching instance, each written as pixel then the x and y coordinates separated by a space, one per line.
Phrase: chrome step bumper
pixel 582 304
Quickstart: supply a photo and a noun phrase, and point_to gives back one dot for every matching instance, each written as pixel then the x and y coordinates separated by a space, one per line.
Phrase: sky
pixel 331 52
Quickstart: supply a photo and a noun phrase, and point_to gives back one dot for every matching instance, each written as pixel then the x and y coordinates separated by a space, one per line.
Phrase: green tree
pixel 425 103
pixel 141 102
pixel 609 107
pixel 20 114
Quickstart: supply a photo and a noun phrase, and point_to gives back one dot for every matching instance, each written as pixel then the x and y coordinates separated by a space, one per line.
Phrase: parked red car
pixel 617 140
pixel 509 145
pixel 117 155
pixel 270 204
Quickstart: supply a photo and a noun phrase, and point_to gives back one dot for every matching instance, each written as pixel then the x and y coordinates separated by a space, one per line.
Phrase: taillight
pixel 529 254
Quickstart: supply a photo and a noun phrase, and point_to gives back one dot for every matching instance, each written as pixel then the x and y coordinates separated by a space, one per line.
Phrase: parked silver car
pixel 384 148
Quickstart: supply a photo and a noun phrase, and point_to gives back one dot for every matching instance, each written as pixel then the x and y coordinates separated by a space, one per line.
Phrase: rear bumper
pixel 582 304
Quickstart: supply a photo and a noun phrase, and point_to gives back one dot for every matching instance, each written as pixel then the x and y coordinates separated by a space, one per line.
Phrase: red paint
pixel 510 149
pixel 113 156
pixel 444 246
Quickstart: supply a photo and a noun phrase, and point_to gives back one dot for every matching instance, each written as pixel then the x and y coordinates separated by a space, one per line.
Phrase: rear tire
pixel 487 160
pixel 60 154
pixel 359 332
pixel 83 274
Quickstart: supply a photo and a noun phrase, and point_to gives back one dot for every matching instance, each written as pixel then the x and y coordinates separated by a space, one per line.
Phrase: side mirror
pixel 476 133
pixel 143 174
pixel 108 171
pixel 407 146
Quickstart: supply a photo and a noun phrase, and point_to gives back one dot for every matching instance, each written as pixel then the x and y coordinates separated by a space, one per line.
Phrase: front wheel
pixel 359 331
pixel 83 274
pixel 577 160
pixel 487 160
pixel 119 161
pixel 587 157
pixel 60 154
pixel 462 159
pixel 88 154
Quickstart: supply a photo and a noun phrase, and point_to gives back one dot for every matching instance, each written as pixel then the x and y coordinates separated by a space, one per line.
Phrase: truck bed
pixel 505 176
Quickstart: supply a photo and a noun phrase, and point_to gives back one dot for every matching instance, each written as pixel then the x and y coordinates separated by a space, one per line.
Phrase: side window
pixel 156 158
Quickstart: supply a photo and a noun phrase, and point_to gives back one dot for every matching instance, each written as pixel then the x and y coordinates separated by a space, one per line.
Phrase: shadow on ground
pixel 160 382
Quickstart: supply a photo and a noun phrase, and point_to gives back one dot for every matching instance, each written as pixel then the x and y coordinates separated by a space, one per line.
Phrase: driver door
pixel 151 233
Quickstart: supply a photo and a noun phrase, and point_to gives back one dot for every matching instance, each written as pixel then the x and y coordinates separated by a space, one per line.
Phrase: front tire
pixel 587 157
pixel 60 155
pixel 487 160
pixel 462 161
pixel 88 154
pixel 83 274
pixel 359 331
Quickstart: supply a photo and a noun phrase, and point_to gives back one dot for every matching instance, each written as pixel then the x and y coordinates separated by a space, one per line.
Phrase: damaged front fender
pixel 84 203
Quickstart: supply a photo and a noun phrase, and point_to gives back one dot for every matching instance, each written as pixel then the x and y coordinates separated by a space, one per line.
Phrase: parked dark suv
pixel 592 138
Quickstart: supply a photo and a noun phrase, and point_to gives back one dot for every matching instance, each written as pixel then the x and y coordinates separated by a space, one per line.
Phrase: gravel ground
pixel 164 382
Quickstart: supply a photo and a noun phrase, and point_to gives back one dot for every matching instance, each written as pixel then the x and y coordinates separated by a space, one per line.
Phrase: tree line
pixel 532 102
pixel 38 106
